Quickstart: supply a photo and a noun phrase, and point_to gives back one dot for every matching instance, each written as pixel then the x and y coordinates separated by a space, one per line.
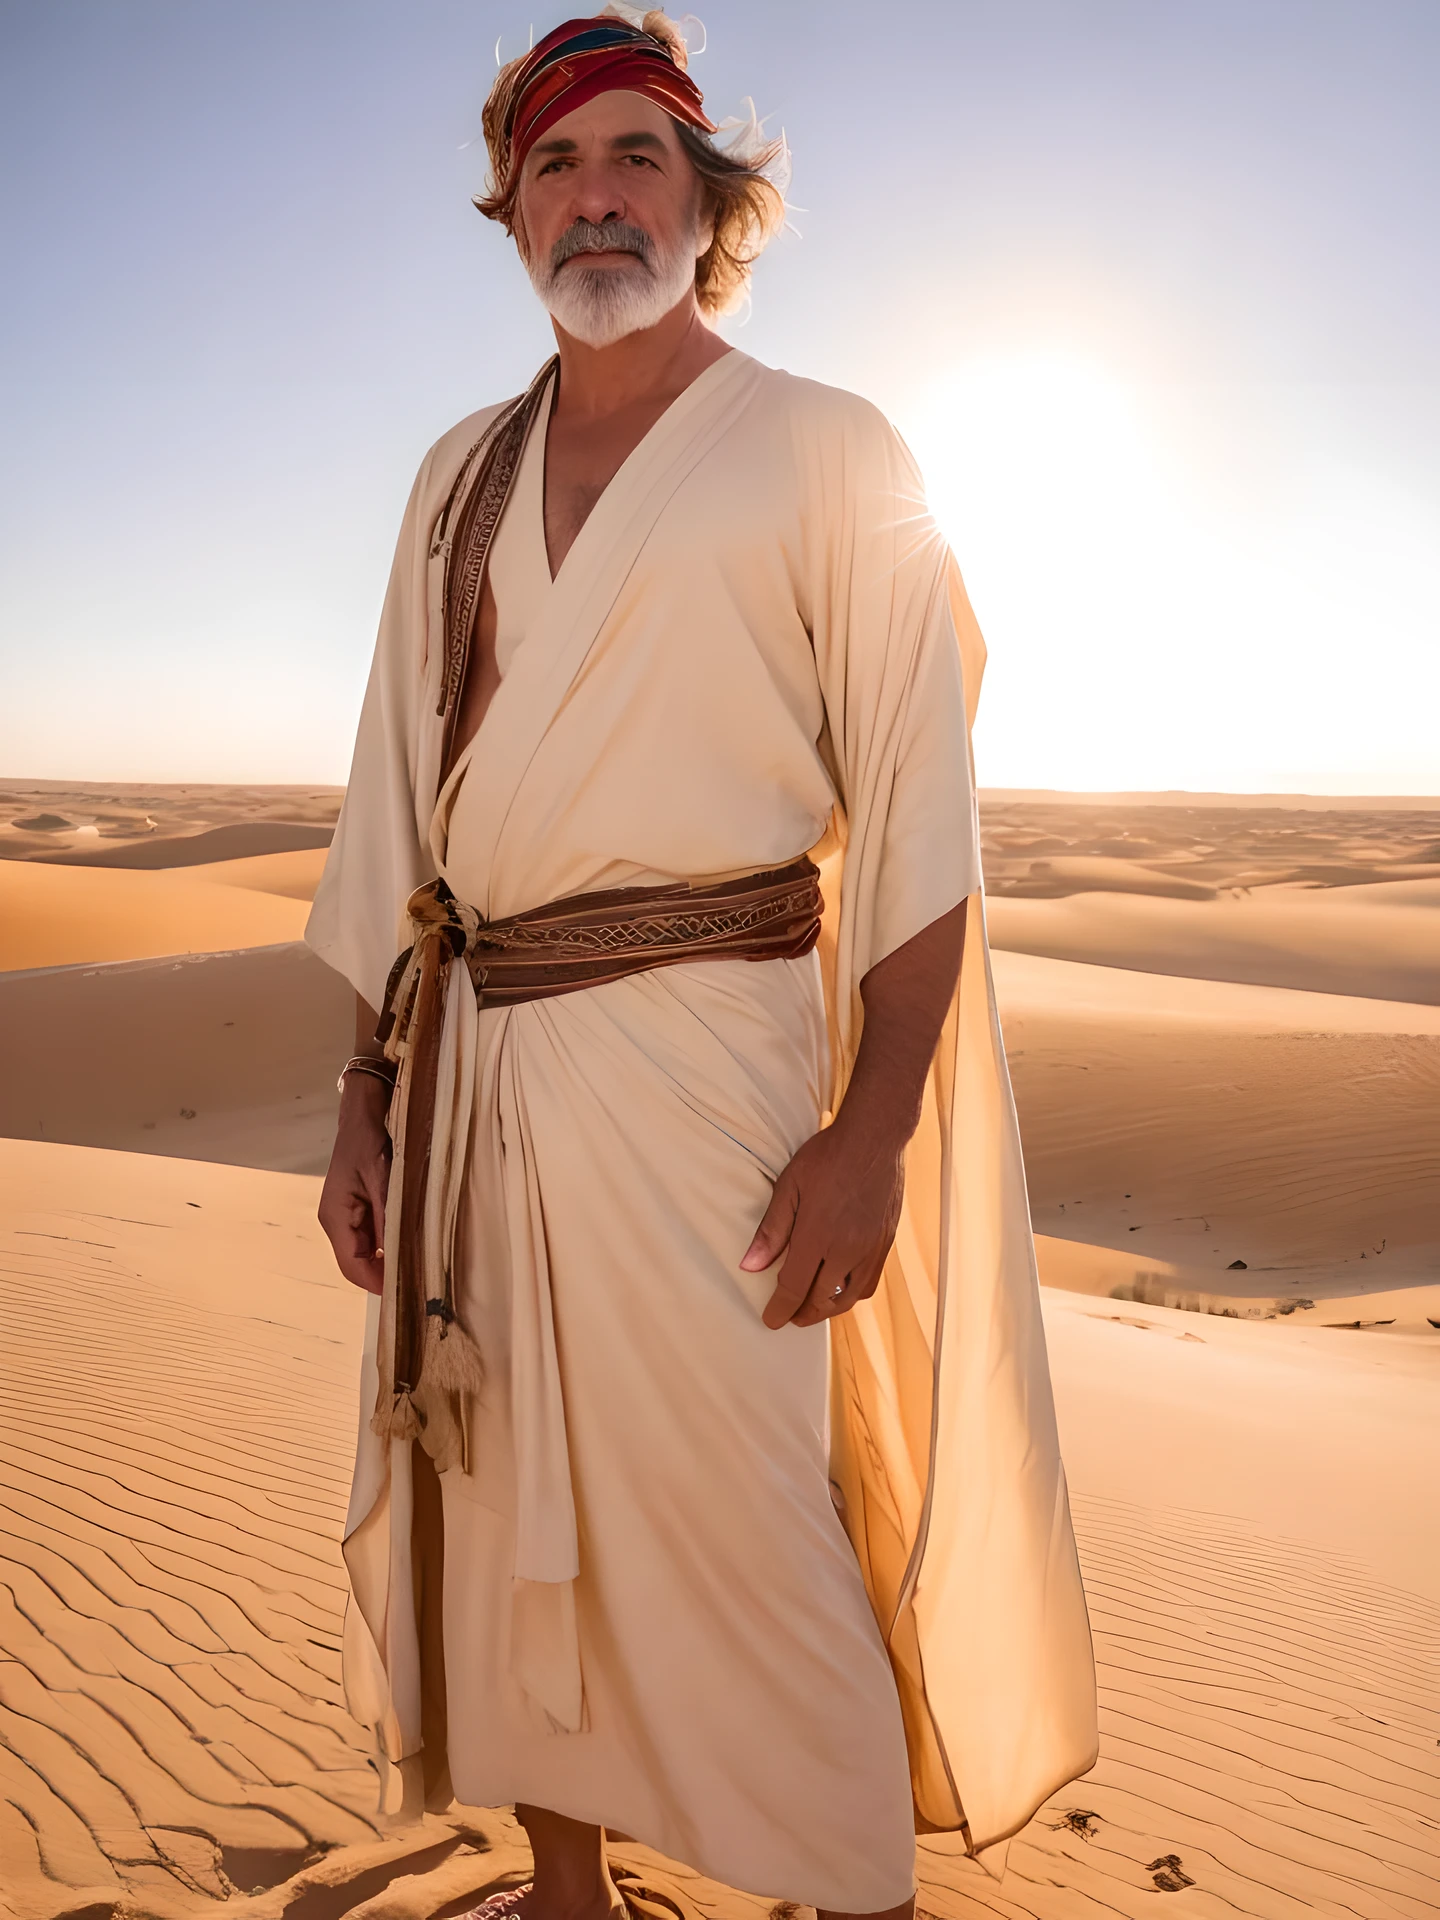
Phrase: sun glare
pixel 1173 598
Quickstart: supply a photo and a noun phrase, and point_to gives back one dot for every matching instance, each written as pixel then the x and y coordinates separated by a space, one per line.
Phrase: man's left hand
pixel 833 1214
pixel 836 1206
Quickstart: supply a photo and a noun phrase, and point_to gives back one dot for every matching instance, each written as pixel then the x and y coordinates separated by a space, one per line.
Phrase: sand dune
pixel 1175 800
pixel 240 840
pixel 173 1476
pixel 43 818
pixel 1373 941
pixel 294 875
pixel 1389 893
pixel 1344 1300
pixel 1202 1122
pixel 53 916
pixel 227 1057
pixel 1066 874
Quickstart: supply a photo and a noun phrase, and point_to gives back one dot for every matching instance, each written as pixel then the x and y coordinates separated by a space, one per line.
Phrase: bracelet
pixel 367 1063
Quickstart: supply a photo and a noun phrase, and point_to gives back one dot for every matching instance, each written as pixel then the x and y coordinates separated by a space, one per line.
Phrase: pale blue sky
pixel 1151 285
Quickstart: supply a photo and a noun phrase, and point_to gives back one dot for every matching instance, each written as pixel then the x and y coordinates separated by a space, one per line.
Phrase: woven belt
pixel 581 941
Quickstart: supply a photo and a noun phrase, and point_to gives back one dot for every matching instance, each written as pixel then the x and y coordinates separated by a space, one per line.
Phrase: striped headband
pixel 584 58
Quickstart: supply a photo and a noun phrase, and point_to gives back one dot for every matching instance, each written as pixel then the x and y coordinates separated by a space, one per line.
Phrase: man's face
pixel 609 218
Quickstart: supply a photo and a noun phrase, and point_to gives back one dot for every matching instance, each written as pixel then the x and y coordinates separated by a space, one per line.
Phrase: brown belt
pixel 582 941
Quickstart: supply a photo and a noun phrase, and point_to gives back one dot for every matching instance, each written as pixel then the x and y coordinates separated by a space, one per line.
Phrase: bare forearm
pixel 352 1201
pixel 366 1021
pixel 906 998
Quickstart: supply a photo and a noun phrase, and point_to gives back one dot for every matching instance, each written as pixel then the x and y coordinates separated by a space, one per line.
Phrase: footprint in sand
pixel 1078 1820
pixel 1168 1874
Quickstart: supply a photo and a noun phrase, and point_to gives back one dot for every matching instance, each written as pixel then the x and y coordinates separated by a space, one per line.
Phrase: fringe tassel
pixel 399 1421
pixel 452 1359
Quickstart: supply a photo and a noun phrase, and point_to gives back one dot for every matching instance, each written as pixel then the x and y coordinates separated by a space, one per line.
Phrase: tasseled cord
pixel 452 1360
pixel 450 1365
pixel 448 1372
pixel 399 1421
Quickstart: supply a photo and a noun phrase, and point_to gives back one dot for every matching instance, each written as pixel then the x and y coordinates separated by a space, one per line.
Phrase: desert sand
pixel 222 1056
pixel 1380 942
pixel 1230 1127
pixel 124 824
pixel 55 916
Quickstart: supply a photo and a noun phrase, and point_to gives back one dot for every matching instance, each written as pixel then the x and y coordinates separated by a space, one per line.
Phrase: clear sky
pixel 1151 286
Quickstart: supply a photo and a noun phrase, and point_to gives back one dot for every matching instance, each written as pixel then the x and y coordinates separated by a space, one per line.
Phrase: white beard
pixel 600 305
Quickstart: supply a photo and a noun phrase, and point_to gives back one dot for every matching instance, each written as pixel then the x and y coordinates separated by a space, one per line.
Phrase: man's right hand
pixel 352 1202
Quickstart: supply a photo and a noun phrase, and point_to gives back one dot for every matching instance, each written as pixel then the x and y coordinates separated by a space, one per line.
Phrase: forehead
pixel 609 116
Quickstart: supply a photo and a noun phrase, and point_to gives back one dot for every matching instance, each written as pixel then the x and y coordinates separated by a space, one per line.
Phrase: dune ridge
pixel 294 875
pixel 43 818
pixel 1377 942
pixel 239 840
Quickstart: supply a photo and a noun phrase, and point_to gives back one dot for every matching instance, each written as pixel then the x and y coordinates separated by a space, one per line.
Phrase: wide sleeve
pixel 379 854
pixel 930 842
pixel 899 658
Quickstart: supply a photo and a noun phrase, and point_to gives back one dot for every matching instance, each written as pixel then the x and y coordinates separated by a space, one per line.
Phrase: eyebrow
pixel 618 144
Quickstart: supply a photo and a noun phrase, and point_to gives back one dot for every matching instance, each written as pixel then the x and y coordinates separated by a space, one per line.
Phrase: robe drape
pixel 757 646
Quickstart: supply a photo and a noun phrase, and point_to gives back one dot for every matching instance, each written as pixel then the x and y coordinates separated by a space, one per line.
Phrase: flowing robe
pixel 652 1616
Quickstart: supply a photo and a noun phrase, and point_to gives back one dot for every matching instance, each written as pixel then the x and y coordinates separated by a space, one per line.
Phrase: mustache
pixel 612 236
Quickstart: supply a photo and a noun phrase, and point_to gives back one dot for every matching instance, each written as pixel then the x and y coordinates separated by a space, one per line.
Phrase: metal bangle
pixel 367 1063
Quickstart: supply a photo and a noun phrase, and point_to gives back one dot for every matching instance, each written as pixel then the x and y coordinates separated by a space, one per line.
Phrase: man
pixel 764 1565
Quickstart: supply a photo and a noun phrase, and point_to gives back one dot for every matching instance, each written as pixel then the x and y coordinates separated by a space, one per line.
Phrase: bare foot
pixel 518 1903
pixel 509 1904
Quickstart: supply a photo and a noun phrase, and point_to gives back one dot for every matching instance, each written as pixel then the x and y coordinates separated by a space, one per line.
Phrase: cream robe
pixel 754 648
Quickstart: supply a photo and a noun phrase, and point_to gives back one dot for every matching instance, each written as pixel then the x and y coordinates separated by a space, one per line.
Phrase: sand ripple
pixel 1269 1723
pixel 179 1368
pixel 174 1466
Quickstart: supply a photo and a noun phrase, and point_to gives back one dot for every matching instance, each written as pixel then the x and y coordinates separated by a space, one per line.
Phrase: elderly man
pixel 765 1566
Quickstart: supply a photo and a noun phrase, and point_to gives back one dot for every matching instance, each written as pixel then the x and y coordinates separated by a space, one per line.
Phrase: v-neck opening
pixel 553 634
pixel 701 378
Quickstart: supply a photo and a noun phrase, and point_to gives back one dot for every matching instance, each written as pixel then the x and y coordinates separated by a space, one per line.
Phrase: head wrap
pixel 584 58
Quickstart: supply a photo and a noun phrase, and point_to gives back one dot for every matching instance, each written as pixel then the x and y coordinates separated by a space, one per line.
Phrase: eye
pixel 640 160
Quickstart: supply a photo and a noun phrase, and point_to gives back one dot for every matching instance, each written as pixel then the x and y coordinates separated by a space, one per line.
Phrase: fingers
pixel 353 1222
pixel 377 1186
pixel 865 1277
pixel 772 1236
pixel 795 1278
pixel 833 1291
pixel 356 1254
pixel 368 1275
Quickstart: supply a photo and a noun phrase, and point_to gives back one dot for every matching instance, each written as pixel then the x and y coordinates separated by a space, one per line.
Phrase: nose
pixel 595 195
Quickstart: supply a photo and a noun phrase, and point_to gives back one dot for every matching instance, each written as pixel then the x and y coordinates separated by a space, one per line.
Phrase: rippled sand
pixel 1234 1179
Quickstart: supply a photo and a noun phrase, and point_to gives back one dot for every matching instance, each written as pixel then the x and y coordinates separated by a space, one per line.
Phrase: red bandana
pixel 584 58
